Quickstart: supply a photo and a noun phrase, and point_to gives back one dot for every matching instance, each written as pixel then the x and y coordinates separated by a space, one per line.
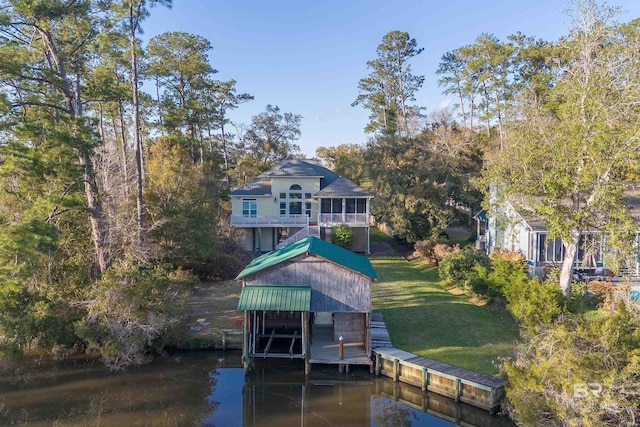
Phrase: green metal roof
pixel 272 298
pixel 316 247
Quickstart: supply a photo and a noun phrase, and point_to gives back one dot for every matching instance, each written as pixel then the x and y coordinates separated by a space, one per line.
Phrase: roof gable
pixel 314 246
pixel 342 187
pixel 261 185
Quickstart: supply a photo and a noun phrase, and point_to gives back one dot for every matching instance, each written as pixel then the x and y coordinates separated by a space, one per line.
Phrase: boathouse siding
pixel 339 306
pixel 333 288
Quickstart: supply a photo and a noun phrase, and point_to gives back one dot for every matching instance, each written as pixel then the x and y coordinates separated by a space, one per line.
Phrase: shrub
pixel 562 358
pixel 433 251
pixel 533 302
pixel 197 343
pixel 131 312
pixel 458 268
pixel 441 251
pixel 423 249
pixel 479 283
pixel 342 235
pixel 507 267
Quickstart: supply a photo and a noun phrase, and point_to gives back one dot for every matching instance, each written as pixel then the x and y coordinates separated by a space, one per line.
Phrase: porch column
pixel 344 210
pixel 259 239
pixel 368 241
pixel 368 211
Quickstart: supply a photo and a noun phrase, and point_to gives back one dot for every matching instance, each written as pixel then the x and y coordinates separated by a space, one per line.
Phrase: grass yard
pixel 423 318
pixel 211 309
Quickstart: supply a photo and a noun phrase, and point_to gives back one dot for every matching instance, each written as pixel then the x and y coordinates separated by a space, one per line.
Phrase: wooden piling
pixel 482 391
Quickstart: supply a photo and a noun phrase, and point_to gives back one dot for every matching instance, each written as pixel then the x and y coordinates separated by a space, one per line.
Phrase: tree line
pixel 551 127
pixel 113 199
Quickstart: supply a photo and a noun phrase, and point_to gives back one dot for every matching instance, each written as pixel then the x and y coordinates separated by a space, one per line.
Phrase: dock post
pixel 396 370
pixel 341 348
pixel 306 342
pixel 224 340
pixel 245 342
pixel 424 379
pixel 458 390
pixel 378 363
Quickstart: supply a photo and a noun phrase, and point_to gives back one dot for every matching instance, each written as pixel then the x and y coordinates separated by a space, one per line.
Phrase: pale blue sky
pixel 308 56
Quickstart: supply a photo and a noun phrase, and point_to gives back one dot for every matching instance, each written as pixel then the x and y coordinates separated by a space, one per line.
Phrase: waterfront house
pixel 295 199
pixel 306 300
pixel 515 231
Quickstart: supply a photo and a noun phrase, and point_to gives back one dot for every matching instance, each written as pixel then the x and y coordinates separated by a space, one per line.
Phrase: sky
pixel 307 57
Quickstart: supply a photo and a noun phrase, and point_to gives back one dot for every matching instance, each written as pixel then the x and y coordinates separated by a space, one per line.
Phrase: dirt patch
pixel 211 309
pixel 474 299
pixel 383 249
pixel 453 290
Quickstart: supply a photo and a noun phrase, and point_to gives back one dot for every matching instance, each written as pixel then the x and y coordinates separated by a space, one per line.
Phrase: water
pixel 209 388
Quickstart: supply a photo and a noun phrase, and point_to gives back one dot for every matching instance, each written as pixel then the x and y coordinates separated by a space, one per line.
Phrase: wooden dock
pixel 379 334
pixel 480 390
pixel 324 350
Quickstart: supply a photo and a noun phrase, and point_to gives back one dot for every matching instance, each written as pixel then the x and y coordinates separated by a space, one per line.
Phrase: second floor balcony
pixel 328 219
pixel 269 220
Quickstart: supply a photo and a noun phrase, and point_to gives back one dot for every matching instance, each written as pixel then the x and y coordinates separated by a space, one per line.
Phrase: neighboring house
pixel 303 197
pixel 512 231
pixel 299 300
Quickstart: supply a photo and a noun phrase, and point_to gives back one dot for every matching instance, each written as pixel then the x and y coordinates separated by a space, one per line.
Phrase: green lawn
pixel 425 319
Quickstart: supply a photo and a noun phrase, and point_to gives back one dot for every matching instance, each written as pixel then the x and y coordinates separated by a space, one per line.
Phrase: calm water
pixel 209 388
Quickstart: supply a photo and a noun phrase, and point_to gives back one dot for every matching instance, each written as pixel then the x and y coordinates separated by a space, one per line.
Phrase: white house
pixel 299 198
pixel 515 232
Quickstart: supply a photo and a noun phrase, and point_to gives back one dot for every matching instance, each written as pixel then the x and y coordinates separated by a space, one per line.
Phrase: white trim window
pixel 295 202
pixel 249 208
pixel 550 250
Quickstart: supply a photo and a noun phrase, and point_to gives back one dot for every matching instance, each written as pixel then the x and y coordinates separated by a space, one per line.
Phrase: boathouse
pixel 308 300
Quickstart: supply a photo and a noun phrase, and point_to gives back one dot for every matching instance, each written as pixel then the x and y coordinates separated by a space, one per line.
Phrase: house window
pixel 295 208
pixel 589 250
pixel 336 205
pixel 550 250
pixel 249 208
pixel 295 202
pixel 350 206
pixel 325 206
pixel 356 205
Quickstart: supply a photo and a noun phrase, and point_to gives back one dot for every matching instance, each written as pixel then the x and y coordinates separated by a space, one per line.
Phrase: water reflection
pixel 282 395
pixel 210 389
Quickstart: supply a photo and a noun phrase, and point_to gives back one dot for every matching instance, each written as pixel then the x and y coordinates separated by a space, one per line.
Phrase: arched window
pixel 295 202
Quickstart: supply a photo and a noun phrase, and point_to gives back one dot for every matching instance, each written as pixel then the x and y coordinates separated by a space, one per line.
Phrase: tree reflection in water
pixel 388 413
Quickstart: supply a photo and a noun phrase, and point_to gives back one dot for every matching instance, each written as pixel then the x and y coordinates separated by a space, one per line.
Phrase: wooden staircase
pixel 309 230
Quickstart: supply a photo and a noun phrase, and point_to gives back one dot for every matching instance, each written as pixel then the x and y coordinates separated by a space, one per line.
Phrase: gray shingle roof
pixel 261 185
pixel 342 187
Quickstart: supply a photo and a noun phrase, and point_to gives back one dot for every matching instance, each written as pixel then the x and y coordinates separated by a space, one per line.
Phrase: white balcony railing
pixel 344 218
pixel 275 220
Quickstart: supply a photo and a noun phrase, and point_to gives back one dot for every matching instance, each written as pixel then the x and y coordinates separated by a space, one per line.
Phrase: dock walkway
pixel 324 350
pixel 480 390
